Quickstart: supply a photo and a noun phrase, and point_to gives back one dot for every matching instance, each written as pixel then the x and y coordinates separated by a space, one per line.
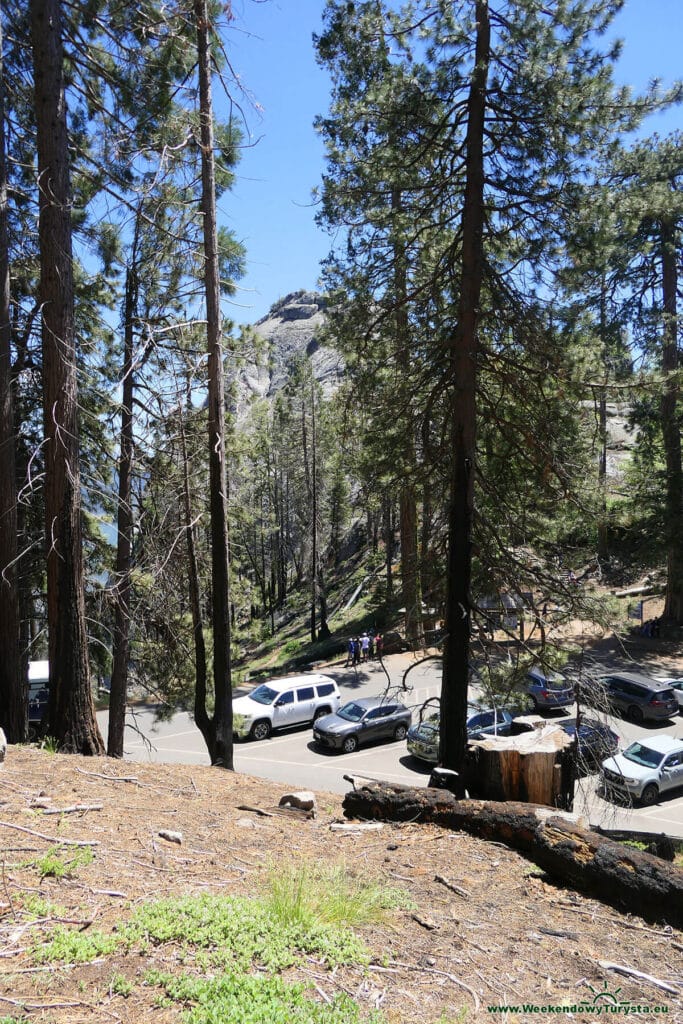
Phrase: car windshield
pixel 352 712
pixel 643 755
pixel 428 729
pixel 263 694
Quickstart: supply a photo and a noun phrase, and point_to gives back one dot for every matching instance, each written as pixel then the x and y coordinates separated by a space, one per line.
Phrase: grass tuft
pixel 305 894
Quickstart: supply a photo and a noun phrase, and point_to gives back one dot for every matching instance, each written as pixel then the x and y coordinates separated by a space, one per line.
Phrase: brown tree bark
pixel 200 682
pixel 124 532
pixel 619 875
pixel 410 561
pixel 671 431
pixel 221 723
pixel 71 714
pixel 463 413
pixel 603 546
pixel 13 704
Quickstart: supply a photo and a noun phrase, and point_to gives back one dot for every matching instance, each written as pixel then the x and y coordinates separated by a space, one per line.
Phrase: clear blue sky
pixel 270 209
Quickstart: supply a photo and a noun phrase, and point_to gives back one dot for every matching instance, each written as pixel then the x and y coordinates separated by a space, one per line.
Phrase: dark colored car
pixel 638 697
pixel 362 721
pixel 548 689
pixel 596 740
pixel 423 739
pixel 394 643
pixel 37 705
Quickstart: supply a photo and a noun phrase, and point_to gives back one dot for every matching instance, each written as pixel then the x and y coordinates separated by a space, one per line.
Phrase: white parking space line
pixel 173 735
pixel 170 750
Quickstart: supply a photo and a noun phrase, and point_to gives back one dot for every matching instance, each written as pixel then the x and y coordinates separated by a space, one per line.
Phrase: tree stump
pixel 527 767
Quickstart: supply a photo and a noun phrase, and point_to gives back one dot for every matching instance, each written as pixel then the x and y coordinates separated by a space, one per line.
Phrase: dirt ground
pixel 509 935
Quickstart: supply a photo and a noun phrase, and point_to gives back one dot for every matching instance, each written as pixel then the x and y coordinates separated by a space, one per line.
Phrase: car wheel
pixel 649 796
pixel 400 732
pixel 635 714
pixel 261 730
pixel 320 713
pixel 350 744
pixel 535 706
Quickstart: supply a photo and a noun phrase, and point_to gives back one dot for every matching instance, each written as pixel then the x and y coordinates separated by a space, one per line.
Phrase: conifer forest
pixel 504 269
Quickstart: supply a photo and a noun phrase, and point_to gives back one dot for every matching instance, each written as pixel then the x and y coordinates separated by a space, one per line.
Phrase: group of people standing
pixel 363 648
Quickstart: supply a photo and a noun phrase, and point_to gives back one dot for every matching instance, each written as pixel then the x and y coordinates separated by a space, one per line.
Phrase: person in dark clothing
pixel 349 653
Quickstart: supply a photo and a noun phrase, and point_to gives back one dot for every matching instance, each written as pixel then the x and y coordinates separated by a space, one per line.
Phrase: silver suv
pixel 283 702
pixel 648 767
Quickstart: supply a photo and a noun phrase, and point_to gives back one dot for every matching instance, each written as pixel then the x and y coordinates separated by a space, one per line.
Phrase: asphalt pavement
pixel 290 759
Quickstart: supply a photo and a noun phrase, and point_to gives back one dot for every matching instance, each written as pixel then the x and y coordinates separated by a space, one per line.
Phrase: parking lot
pixel 289 758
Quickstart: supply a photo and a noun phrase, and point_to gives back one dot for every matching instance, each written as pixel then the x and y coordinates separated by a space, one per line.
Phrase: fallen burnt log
pixel 619 875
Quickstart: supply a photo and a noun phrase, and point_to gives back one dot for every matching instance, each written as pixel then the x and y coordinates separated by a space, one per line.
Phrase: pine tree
pixel 649 213
pixel 511 101
pixel 71 715
pixel 13 710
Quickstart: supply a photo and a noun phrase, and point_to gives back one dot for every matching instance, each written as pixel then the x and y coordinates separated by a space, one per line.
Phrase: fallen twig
pixel 631 972
pixel 366 826
pixel 73 810
pixel 453 887
pixel 425 922
pixel 429 970
pixel 558 933
pixel 109 778
pixel 57 840
pixel 255 810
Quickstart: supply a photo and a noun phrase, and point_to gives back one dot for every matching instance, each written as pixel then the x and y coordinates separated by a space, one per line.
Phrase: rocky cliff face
pixel 292 327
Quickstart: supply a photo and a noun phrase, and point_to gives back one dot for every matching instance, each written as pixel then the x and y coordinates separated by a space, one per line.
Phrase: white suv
pixel 283 702
pixel 647 768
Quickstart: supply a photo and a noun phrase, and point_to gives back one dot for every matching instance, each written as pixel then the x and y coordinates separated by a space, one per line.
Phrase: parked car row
pixel 643 771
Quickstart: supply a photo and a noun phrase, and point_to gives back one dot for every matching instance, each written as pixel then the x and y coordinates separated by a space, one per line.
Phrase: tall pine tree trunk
pixel 13 706
pixel 200 683
pixel 671 433
pixel 603 545
pixel 124 538
pixel 218 478
pixel 410 562
pixel 388 531
pixel 71 714
pixel 463 411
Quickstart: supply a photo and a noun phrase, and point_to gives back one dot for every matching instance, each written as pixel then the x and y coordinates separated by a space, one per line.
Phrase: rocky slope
pixel 293 326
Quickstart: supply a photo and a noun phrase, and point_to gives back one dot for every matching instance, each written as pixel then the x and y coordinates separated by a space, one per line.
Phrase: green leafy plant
pixel 37 907
pixel 249 999
pixel 54 864
pixel 120 986
pixel 237 932
pixel 76 947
